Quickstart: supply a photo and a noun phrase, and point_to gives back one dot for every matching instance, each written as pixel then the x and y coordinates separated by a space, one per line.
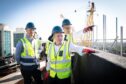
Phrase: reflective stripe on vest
pixel 37 44
pixel 47 46
pixel 60 65
pixel 61 70
pixel 27 64
pixel 28 54
pixel 58 62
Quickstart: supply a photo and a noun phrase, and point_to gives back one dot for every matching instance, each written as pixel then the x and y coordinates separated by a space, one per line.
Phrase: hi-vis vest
pixel 69 37
pixel 47 46
pixel 60 63
pixel 28 56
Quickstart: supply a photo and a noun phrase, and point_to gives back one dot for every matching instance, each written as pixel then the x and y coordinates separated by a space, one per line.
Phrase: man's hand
pixel 88 51
pixel 42 65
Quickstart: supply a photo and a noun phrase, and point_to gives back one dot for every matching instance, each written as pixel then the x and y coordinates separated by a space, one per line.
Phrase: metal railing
pixel 116 46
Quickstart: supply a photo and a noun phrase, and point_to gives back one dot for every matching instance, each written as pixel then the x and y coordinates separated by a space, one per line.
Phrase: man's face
pixel 67 29
pixel 30 32
pixel 58 37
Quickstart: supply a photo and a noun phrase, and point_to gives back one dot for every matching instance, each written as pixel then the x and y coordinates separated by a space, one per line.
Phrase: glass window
pixel 17 37
pixel 7 43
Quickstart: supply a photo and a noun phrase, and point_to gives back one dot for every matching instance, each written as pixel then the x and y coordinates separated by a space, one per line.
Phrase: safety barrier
pixel 99 68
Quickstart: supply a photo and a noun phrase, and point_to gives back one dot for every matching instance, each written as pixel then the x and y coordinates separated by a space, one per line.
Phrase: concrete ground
pixel 13 78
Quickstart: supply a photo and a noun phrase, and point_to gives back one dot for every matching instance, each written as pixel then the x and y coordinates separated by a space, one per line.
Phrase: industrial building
pixel 18 34
pixel 7 59
pixel 6 41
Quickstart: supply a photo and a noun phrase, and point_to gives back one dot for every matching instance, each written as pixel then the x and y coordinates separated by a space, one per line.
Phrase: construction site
pixel 99 31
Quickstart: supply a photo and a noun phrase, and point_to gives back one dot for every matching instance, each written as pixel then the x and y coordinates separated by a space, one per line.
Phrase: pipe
pixel 121 41
pixel 116 31
pixel 104 32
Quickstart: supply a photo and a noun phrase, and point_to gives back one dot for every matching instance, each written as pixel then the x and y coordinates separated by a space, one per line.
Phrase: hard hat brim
pixel 51 36
pixel 31 28
pixel 66 25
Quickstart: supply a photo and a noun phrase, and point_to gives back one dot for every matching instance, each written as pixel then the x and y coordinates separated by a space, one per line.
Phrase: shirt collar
pixel 29 38
pixel 59 45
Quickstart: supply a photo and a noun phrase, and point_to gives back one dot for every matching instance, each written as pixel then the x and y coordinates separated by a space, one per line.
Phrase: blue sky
pixel 46 14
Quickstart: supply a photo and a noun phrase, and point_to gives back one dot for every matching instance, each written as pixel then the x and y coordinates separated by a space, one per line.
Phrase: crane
pixel 87 37
pixel 88 30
